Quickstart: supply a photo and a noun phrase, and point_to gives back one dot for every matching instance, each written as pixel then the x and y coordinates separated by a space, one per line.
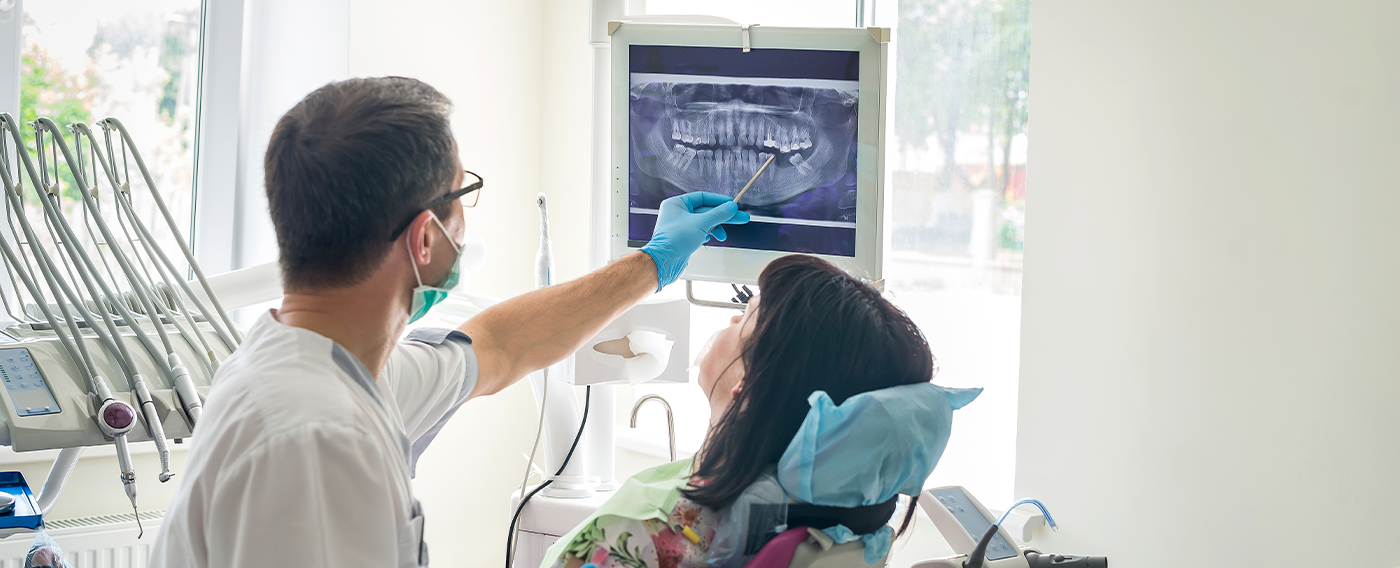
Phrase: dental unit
pixel 80 366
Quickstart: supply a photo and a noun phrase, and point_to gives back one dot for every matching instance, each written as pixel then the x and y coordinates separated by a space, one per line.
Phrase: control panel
pixel 49 405
pixel 970 516
pixel 24 382
pixel 962 521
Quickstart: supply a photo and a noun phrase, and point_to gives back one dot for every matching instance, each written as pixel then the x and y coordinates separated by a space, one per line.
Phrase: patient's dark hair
pixel 817 328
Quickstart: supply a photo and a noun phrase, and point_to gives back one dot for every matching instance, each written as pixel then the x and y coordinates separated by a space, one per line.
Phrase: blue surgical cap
pixel 868 449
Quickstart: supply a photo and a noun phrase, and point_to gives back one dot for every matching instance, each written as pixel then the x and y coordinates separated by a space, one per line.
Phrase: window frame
pixel 216 122
pixel 217 129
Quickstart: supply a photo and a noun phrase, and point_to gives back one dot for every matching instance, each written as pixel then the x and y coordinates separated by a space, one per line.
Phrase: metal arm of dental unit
pixel 65 401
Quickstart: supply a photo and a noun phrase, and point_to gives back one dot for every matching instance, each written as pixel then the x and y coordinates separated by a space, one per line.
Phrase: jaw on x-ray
pixel 713 136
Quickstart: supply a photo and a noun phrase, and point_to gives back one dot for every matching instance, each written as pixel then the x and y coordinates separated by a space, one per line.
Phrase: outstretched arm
pixel 537 329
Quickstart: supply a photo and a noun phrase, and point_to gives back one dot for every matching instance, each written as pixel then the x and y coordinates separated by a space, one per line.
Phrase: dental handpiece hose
pixel 115 418
pixel 145 291
pixel 112 123
pixel 153 307
pixel 977 558
pixel 82 262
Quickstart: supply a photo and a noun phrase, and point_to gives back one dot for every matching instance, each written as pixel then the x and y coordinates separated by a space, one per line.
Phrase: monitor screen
pixel 706 119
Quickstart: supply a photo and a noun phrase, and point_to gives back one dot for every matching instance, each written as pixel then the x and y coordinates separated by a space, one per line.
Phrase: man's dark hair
pixel 346 167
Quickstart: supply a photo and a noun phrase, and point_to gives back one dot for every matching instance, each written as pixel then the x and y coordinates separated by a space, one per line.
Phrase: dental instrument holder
pixel 965 524
pixel 561 423
pixel 83 413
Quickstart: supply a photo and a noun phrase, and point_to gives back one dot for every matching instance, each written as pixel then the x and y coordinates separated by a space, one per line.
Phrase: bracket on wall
pixel 744 31
pixel 690 296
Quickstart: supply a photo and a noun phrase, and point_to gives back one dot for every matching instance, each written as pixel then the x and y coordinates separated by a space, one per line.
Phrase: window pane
pixel 86 60
pixel 957 204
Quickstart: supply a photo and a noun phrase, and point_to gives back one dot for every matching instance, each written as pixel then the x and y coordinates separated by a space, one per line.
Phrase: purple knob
pixel 118 415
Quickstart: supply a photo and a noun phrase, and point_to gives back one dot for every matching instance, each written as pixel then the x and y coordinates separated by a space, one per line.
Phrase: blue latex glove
pixel 686 222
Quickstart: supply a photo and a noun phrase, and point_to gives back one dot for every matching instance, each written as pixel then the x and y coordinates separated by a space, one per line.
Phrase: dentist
pixel 309 438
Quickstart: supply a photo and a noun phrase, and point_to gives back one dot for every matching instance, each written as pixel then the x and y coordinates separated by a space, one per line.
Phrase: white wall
pixel 519 75
pixel 289 50
pixel 94 488
pixel 1210 363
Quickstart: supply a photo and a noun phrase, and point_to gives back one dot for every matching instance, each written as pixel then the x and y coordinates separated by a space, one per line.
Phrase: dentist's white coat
pixel 303 459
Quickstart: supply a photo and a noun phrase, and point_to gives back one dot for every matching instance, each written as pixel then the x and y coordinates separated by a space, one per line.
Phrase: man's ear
pixel 418 234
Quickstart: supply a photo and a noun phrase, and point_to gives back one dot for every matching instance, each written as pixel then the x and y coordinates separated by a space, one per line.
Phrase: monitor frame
pixel 742 266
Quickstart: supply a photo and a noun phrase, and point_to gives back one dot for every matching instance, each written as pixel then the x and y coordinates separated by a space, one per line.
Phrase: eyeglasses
pixel 469 194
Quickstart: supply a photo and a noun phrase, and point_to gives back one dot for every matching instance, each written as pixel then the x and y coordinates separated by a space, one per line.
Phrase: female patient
pixel 821 413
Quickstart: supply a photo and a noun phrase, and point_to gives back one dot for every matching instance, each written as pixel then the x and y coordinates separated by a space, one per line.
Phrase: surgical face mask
pixel 425 297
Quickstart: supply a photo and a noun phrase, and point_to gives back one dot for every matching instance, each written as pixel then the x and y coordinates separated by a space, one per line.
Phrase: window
pixel 957 157
pixel 957 197
pixel 136 61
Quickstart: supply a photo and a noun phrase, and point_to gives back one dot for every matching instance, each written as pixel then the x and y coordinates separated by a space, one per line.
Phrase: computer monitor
pixel 693 111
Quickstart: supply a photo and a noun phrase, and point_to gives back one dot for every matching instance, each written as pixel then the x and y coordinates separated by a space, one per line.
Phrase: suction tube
pixel 977 558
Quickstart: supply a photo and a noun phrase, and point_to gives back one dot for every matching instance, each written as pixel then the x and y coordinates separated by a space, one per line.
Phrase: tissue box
pixel 615 363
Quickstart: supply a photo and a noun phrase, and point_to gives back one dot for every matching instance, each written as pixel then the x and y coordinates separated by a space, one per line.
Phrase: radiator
pixel 106 541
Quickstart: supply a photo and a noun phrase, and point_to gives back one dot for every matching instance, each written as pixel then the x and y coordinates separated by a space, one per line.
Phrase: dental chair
pixel 810 554
pixel 818 551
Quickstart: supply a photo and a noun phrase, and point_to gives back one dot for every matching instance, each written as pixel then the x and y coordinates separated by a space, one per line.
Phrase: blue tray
pixel 25 515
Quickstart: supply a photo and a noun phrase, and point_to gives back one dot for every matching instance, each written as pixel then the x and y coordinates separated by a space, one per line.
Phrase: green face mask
pixel 425 297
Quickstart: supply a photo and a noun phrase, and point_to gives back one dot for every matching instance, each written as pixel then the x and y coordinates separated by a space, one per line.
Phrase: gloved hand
pixel 686 222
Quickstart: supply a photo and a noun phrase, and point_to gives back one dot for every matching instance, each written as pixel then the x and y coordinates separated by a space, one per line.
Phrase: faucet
pixel 670 420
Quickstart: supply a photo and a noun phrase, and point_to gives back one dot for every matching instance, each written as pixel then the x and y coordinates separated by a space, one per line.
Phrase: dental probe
pixel 755 177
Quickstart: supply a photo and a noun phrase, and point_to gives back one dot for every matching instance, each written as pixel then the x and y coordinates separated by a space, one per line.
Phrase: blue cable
pixel 1048 519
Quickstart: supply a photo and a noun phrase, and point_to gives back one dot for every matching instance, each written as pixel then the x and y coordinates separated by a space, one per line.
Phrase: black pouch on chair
pixel 861 520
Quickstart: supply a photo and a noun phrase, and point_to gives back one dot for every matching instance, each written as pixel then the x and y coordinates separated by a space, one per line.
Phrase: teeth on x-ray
pixel 714 137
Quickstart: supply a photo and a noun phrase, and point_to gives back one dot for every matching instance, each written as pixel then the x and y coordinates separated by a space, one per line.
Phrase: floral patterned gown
pixel 681 541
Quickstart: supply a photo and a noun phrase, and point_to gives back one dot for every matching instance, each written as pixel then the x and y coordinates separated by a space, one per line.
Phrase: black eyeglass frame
pixel 452 195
